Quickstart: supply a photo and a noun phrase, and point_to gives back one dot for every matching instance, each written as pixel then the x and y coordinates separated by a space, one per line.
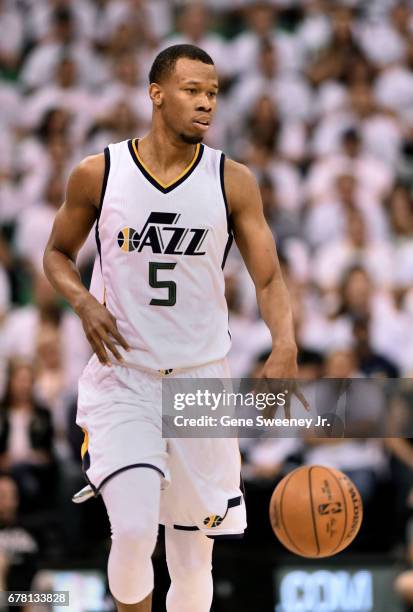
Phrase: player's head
pixel 183 89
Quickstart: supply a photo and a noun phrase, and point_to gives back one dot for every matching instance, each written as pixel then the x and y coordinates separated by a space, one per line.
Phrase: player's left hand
pixel 280 373
pixel 282 363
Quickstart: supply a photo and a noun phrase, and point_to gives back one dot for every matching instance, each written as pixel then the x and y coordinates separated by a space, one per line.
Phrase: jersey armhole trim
pixel 228 214
pixel 105 177
pixel 224 195
pixel 102 197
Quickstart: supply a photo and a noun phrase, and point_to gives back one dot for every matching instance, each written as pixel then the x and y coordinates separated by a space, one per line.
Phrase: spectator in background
pixel 334 258
pixel 383 40
pixel 49 385
pixel 12 38
pixel 335 60
pixel 314 29
pixel 47 151
pixel 25 325
pixel 35 224
pixel 250 336
pixel 263 124
pixel 131 27
pixel 289 91
pixel 40 64
pixel 393 86
pixel 18 546
pixel 283 222
pixel 42 14
pixel 261 24
pixel 347 157
pixel 325 217
pixel 65 92
pixel 121 41
pixel 117 124
pixel 329 328
pixel 54 124
pixel 370 362
pixel 127 86
pixel 400 211
pixel 153 20
pixel 356 293
pixel 26 441
pixel 194 22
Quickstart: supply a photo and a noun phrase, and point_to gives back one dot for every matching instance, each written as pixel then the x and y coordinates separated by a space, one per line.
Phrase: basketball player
pixel 166 207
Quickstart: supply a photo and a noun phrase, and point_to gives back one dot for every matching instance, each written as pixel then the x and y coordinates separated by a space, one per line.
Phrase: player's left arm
pixel 257 247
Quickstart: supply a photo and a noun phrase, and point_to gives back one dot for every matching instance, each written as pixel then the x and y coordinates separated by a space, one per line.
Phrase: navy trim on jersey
pixel 224 195
pixel 128 467
pixel 227 249
pixel 185 528
pixel 242 485
pixel 232 503
pixel 229 217
pixel 227 536
pixel 102 197
pixel 153 180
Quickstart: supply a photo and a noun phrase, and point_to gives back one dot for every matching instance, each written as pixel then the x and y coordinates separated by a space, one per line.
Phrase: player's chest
pixel 169 224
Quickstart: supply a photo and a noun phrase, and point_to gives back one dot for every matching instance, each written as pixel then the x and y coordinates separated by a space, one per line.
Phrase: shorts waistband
pixel 164 372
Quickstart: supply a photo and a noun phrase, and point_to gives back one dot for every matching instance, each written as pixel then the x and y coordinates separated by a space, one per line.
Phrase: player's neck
pixel 163 151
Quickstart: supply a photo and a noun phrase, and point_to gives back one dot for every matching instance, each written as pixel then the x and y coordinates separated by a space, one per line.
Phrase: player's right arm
pixel 72 225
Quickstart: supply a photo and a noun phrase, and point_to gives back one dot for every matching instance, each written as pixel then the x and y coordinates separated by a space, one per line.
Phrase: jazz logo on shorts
pixel 213 521
pixel 161 235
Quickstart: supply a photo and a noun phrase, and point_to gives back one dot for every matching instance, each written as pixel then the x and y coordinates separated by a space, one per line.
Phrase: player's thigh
pixel 132 500
pixel 122 428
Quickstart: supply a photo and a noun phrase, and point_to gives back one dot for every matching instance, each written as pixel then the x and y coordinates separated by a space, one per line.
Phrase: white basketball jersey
pixel 162 251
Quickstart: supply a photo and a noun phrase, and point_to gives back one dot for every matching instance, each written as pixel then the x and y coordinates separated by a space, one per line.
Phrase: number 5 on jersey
pixel 154 266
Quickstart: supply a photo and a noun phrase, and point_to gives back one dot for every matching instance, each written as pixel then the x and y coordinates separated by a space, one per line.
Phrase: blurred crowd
pixel 317 98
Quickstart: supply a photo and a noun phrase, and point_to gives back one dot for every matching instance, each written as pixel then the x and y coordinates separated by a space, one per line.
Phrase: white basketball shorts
pixel 120 410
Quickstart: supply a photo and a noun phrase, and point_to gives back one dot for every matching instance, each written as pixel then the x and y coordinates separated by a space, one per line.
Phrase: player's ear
pixel 156 94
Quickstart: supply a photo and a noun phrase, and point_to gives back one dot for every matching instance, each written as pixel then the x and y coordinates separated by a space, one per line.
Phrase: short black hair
pixel 62 15
pixel 165 61
pixel 351 135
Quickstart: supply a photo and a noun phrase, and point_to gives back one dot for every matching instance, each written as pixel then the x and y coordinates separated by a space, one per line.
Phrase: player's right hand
pixel 101 330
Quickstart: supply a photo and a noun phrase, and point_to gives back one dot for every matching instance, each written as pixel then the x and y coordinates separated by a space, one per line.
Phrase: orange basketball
pixel 316 511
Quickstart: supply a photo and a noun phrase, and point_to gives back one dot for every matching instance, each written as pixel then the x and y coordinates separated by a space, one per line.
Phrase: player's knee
pixel 136 537
pixel 191 569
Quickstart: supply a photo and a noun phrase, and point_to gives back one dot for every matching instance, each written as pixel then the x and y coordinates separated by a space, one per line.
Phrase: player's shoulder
pixel 87 177
pixel 232 168
pixel 235 171
pixel 240 183
pixel 91 166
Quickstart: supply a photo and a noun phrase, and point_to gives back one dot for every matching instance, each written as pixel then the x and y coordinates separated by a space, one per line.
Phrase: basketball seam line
pixel 281 515
pixel 345 513
pixel 312 512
